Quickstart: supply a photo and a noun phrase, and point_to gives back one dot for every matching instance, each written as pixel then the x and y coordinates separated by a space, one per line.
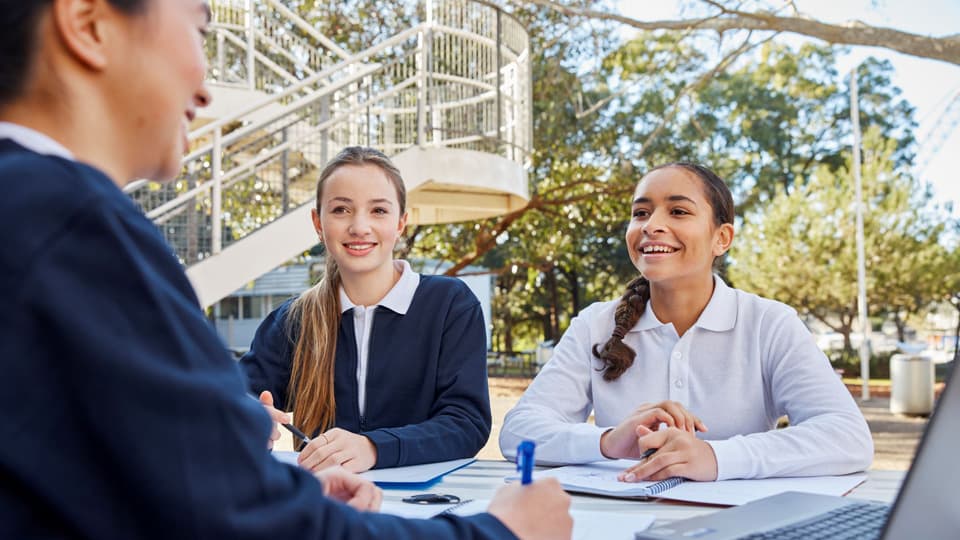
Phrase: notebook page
pixel 599 478
pixel 736 492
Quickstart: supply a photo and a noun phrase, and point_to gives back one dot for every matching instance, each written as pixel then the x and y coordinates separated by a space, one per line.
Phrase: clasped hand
pixel 678 451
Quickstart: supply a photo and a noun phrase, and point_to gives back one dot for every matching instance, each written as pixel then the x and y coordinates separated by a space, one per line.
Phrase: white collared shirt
pixel 397 300
pixel 745 362
pixel 33 140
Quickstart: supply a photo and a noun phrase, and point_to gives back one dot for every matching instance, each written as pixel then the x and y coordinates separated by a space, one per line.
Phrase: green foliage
pixel 849 362
pixel 801 248
pixel 775 120
pixel 606 111
pixel 775 125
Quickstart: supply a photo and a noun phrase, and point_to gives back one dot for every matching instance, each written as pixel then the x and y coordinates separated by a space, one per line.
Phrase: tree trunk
pixel 846 327
pixel 956 332
pixel 847 344
pixel 574 281
pixel 901 326
pixel 554 312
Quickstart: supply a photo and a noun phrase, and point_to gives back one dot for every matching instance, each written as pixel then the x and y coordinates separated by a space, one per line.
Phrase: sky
pixel 928 85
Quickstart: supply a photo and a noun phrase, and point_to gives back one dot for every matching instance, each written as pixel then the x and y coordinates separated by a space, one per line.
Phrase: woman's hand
pixel 353 452
pixel 349 488
pixel 621 441
pixel 678 453
pixel 278 417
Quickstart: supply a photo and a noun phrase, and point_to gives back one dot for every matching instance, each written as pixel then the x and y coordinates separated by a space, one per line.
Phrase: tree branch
pixel 486 240
pixel 944 48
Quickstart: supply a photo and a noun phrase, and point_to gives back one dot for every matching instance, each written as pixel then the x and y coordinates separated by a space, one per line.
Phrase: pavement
pixel 895 437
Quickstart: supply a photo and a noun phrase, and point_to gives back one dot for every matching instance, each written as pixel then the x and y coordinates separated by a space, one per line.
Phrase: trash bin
pixel 542 354
pixel 911 384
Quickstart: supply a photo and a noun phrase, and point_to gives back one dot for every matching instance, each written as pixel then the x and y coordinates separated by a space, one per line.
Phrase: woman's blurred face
pixel 158 83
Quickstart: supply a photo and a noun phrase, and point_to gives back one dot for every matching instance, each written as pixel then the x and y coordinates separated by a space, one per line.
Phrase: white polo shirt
pixel 397 300
pixel 743 364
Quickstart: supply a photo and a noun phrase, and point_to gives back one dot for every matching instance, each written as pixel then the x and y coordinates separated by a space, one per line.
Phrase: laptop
pixel 927 507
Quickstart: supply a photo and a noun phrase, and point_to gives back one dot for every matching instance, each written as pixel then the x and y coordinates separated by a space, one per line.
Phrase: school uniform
pixel 409 372
pixel 123 414
pixel 746 362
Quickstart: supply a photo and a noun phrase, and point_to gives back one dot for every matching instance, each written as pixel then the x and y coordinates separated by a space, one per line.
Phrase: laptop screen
pixel 928 505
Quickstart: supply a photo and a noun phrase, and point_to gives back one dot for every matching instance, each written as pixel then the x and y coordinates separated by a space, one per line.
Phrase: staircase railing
pixel 263 45
pixel 458 79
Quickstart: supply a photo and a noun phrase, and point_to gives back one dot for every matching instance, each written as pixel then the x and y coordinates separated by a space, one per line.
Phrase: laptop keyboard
pixel 859 521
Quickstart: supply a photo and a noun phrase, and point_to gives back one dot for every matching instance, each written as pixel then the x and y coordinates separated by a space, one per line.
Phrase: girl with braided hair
pixel 682 351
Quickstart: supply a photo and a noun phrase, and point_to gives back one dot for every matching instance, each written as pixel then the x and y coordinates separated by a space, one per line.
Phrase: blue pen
pixel 297 433
pixel 525 461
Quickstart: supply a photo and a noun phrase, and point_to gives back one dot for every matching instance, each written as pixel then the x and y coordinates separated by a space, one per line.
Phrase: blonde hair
pixel 315 315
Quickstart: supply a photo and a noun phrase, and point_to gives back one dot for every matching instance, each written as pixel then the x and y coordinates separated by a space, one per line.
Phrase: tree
pixel 764 125
pixel 800 249
pixel 773 121
pixel 604 112
pixel 723 18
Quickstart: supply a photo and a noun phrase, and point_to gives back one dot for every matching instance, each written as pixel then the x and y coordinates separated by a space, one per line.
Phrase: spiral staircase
pixel 448 99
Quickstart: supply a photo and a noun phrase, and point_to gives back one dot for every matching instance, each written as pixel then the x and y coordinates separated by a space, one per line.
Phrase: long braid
pixel 617 356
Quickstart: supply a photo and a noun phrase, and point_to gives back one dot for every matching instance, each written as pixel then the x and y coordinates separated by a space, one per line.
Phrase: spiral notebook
pixel 600 478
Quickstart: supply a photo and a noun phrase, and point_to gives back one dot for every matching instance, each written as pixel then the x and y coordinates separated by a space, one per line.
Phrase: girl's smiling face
pixel 360 218
pixel 673 233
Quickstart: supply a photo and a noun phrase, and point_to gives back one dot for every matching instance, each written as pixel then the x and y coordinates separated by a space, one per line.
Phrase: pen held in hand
pixel 296 432
pixel 525 461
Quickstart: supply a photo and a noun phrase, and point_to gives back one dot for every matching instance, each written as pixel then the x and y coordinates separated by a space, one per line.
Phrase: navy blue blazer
pixel 426 396
pixel 123 414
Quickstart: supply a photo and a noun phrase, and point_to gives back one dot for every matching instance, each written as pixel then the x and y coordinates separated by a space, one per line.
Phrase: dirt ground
pixel 895 437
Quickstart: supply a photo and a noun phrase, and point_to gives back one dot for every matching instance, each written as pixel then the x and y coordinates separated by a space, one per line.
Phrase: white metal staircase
pixel 449 98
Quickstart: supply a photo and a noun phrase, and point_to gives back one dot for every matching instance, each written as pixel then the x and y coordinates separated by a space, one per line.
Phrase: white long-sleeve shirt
pixel 745 362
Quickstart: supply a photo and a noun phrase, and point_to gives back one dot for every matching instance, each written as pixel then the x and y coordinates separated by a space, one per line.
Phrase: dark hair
pixel 19 39
pixel 718 194
pixel 616 355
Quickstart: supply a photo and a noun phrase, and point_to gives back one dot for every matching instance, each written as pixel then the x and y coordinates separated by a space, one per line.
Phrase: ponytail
pixel 616 355
pixel 315 315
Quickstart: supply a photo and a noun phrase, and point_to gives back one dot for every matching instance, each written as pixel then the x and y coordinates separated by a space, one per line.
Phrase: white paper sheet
pixel 286 456
pixel 601 478
pixel 587 525
pixel 736 492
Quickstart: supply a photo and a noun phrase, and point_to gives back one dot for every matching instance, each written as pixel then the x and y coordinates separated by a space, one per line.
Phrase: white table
pixel 481 479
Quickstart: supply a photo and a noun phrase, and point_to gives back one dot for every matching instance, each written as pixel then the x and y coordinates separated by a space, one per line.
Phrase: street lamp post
pixel 861 257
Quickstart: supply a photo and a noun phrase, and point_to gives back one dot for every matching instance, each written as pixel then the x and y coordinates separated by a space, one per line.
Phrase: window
pixel 229 308
pixel 252 307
